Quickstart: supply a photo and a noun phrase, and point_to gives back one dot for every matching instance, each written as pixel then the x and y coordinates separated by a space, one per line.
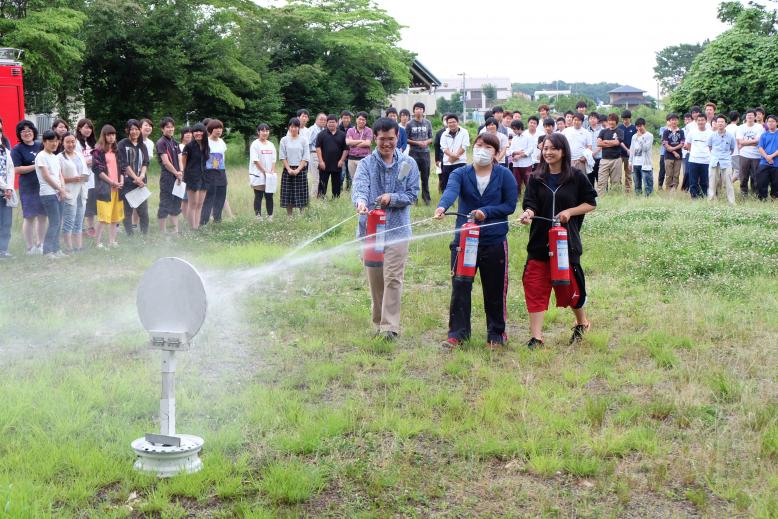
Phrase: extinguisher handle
pixel 453 213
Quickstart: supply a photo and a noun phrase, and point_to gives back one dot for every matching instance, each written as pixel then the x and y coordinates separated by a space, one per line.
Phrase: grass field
pixel 669 408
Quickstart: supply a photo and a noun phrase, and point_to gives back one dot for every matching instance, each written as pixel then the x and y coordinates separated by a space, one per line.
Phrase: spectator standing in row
pixel 581 107
pixel 453 144
pixel 721 145
pixel 420 137
pixel 7 194
pixel 23 157
pixel 193 160
pixel 673 141
pixel 170 175
pixel 215 174
pixel 86 139
pixel 628 130
pixel 133 159
pixel 520 152
pixel 579 139
pixel 641 159
pixel 332 153
pixel 747 137
pixel 319 125
pixel 359 140
pixel 402 141
pixel 52 192
pixel 439 152
pixel 699 157
pixel 610 141
pixel 185 138
pixel 60 127
pixel 661 179
pixel 344 125
pixel 75 173
pixel 262 160
pixel 768 167
pixel 109 182
pixel 594 130
pixel 295 154
pixel 734 121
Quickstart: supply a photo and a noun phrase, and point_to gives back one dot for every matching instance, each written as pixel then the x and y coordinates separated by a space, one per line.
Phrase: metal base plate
pixel 167 461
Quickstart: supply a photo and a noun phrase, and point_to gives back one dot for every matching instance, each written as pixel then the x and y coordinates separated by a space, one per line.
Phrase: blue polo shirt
pixel 769 143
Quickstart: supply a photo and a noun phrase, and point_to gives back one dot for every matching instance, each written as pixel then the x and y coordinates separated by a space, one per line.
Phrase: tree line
pixel 190 59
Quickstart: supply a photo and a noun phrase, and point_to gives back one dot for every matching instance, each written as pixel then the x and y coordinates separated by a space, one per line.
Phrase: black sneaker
pixel 534 344
pixel 389 336
pixel 578 332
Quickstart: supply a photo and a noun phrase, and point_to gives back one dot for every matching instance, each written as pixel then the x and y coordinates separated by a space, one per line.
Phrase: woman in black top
pixel 193 159
pixel 133 158
pixel 555 178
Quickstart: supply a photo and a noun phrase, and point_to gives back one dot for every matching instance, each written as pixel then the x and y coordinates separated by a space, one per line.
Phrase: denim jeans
pixel 73 216
pixel 643 179
pixel 6 217
pixel 698 179
pixel 53 207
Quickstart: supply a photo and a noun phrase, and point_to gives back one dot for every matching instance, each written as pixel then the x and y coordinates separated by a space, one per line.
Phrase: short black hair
pixel 185 130
pixel 384 124
pixel 720 116
pixel 626 114
pixel 701 114
pixel 332 117
pixel 560 119
pixel 569 112
pixel 773 117
pixel 21 125
pixel 262 126
pixel 346 113
pixel 302 111
pixel 751 111
pixel 451 116
pixel 759 109
pixel 391 110
pixel 518 112
pixel 533 118
pixel 294 121
pixel 613 116
pixel 488 114
pixel 734 115
pixel 165 121
pixel 671 115
pixel 405 112
pixel 594 114
pixel 489 121
pixel 548 121
pixel 419 104
pixel 579 116
pixel 581 104
pixel 362 114
pixel 640 122
pixel 49 135
pixel 687 115
pixel 517 125
pixel 694 108
pixel 497 109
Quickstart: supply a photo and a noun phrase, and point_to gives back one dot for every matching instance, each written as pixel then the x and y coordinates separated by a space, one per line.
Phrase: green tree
pixel 49 35
pixel 453 105
pixel 673 62
pixel 490 93
pixel 738 69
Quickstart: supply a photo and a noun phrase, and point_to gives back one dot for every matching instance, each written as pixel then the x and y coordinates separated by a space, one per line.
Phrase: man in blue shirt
pixel 768 165
pixel 721 145
pixel 629 130
pixel 388 179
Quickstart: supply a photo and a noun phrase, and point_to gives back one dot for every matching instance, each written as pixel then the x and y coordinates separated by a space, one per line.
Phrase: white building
pixel 475 98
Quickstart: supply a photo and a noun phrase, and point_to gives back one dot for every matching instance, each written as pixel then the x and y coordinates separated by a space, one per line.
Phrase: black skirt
pixel 294 189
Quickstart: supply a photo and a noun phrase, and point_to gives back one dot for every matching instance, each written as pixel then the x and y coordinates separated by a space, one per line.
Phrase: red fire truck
pixel 11 91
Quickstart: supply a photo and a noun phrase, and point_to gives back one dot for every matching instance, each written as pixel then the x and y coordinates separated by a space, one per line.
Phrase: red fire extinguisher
pixel 467 250
pixel 559 258
pixel 373 250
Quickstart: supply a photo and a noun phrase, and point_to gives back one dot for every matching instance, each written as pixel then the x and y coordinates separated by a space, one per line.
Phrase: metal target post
pixel 172 305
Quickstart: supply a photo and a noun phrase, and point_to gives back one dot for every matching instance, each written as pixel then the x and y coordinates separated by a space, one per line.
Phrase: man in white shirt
pixel 520 153
pixel 747 137
pixel 313 165
pixel 699 157
pixel 594 129
pixel 534 133
pixel 580 139
pixel 453 143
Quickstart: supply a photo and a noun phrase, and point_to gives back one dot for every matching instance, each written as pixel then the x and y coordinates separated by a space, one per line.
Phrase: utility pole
pixel 464 100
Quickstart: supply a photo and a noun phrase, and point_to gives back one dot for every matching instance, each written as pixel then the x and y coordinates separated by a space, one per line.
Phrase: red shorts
pixel 537 287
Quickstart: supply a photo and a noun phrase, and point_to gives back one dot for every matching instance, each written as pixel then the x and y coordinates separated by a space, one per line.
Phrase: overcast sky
pixel 570 40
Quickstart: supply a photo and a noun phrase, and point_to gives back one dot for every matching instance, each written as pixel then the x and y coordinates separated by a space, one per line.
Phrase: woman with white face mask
pixel 487 191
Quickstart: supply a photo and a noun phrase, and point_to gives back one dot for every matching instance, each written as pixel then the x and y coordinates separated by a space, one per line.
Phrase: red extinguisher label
pixel 471 252
pixel 380 236
pixel 562 257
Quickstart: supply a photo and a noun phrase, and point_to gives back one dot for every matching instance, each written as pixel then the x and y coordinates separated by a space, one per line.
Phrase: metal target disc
pixel 171 298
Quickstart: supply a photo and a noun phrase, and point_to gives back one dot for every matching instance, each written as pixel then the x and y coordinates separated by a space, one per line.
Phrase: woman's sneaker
pixel 578 332
pixel 534 344
pixel 450 344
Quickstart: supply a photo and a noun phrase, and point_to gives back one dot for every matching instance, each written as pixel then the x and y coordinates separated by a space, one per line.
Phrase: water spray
pixel 172 305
